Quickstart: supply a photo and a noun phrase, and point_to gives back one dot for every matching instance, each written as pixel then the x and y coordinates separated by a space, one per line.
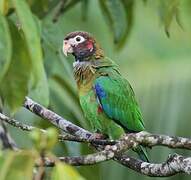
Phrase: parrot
pixel 106 98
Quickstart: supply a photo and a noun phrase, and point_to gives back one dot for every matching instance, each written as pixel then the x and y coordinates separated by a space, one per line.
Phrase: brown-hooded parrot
pixel 107 99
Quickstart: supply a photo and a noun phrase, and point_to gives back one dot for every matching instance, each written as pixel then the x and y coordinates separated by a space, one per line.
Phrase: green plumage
pixel 107 99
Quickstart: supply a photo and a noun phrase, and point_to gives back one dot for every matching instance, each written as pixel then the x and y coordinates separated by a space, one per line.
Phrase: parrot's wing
pixel 117 100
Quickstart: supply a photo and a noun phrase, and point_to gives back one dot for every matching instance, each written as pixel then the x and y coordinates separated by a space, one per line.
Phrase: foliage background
pixel 158 67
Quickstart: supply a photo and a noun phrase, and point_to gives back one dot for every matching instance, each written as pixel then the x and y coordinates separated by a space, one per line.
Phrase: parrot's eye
pixel 79 39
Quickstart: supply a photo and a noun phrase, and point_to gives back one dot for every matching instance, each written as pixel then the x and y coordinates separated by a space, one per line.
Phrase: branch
pixel 57 120
pixel 174 164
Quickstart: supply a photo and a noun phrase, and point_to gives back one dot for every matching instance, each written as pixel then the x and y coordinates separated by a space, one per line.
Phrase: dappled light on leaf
pixel 5 46
pixel 63 171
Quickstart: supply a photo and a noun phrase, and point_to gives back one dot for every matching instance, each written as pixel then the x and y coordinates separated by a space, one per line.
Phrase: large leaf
pixel 17 165
pixel 31 28
pixel 39 7
pixel 4 6
pixel 14 86
pixel 169 10
pixel 115 16
pixel 62 171
pixel 64 6
pixel 85 4
pixel 5 46
pixel 129 8
pixel 32 37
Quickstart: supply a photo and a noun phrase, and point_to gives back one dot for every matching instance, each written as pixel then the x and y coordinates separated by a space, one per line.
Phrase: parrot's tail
pixel 141 151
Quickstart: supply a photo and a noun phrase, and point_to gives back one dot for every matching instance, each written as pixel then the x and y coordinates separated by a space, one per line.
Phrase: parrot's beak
pixel 67 48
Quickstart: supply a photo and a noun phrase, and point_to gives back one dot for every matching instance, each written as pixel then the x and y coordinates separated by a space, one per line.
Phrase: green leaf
pixel 70 4
pixel 17 165
pixel 168 10
pixel 14 86
pixel 84 7
pixel 129 8
pixel 32 37
pixel 5 46
pixel 31 28
pixel 64 6
pixel 62 171
pixel 44 141
pixel 4 6
pixel 39 7
pixel 115 16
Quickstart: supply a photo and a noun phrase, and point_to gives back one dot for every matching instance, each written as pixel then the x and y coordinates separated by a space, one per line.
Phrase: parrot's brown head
pixel 82 45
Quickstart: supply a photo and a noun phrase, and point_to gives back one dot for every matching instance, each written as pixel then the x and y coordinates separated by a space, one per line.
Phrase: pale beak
pixel 67 48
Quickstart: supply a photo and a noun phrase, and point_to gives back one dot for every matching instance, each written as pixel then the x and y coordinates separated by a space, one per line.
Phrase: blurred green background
pixel 158 67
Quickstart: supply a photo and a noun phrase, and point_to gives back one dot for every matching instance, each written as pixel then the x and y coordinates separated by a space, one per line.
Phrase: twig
pixel 16 123
pixel 6 140
pixel 41 168
pixel 59 11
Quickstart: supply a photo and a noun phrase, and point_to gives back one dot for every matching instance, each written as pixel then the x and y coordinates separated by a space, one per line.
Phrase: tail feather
pixel 141 151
